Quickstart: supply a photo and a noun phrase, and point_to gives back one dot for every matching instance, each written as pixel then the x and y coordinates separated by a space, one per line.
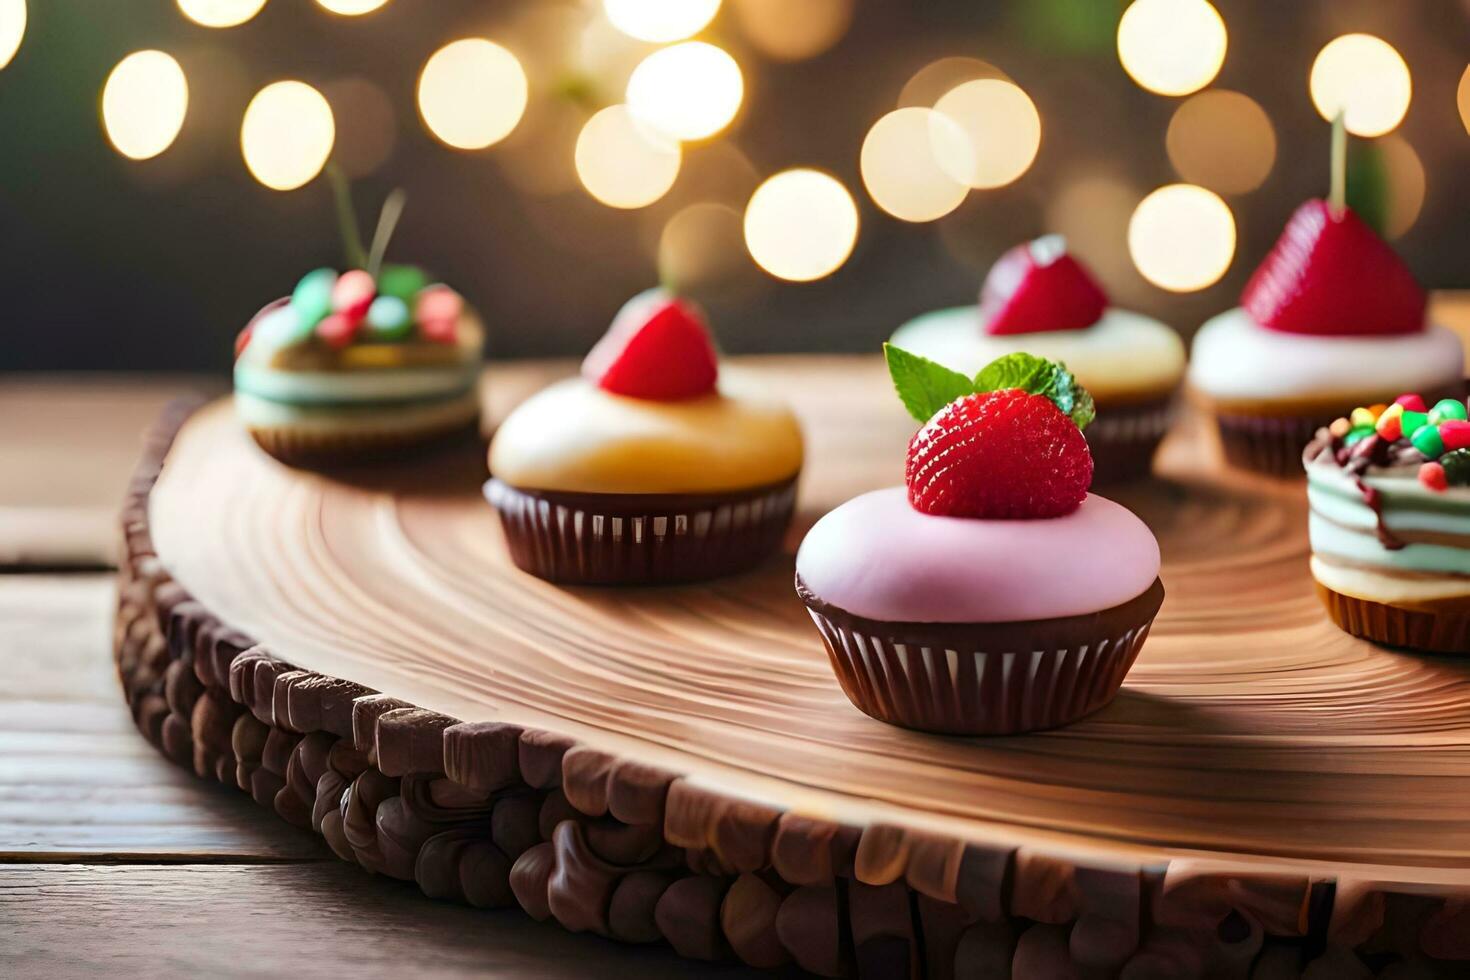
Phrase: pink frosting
pixel 877 557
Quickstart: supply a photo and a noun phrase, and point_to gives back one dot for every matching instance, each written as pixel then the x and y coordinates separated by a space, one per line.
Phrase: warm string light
pixel 689 91
pixel 1002 129
pixel 12 28
pixel 702 247
pixel 901 168
pixel 287 134
pixel 351 8
pixel 1363 77
pixel 220 13
pixel 622 163
pixel 1172 47
pixel 660 21
pixel 144 102
pixel 1222 140
pixel 930 83
pixel 472 93
pixel 1462 94
pixel 801 225
pixel 1182 238
pixel 793 30
pixel 1404 173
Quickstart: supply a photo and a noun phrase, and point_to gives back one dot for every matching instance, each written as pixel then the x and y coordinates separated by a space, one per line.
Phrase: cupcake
pixel 1039 298
pixel 1389 488
pixel 648 468
pixel 1331 319
pixel 993 593
pixel 360 364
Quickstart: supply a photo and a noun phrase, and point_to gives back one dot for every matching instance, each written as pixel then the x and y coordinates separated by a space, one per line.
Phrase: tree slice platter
pixel 371 664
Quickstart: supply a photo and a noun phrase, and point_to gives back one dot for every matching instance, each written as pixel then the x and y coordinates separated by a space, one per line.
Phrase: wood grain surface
pixel 1251 734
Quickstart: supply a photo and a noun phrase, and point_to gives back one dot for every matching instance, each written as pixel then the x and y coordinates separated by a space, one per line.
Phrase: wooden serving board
pixel 1263 779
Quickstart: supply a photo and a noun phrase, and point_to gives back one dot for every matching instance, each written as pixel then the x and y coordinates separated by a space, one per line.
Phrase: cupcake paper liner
pixel 1123 440
pixel 1273 444
pixel 984 678
pixel 308 446
pixel 1269 444
pixel 1444 630
pixel 640 539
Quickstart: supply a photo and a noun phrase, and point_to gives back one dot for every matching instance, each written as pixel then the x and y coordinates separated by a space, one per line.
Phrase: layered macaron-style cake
pixel 992 593
pixel 1389 488
pixel 1331 319
pixel 1039 298
pixel 649 467
pixel 362 363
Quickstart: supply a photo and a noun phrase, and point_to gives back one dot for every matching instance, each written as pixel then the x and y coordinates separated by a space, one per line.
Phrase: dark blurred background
pixel 111 263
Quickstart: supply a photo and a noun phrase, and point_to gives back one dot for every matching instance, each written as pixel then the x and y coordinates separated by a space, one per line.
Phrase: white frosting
pixel 1122 353
pixel 261 413
pixel 1235 357
pixel 386 385
pixel 1363 583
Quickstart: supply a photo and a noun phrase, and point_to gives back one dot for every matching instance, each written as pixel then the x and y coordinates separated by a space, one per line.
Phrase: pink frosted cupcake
pixel 993 594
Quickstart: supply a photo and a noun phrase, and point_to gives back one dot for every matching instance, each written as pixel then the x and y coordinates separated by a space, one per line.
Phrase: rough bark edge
pixel 493 815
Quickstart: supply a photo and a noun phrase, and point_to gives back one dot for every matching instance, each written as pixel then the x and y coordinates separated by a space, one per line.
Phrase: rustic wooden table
pixel 113 859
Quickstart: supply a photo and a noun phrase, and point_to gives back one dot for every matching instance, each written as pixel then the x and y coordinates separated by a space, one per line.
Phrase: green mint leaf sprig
pixel 925 387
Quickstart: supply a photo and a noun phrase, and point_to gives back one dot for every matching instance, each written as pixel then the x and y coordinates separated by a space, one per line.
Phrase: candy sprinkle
pixel 1363 416
pixel 1447 408
pixel 1340 428
pixel 1455 434
pixel 1432 475
pixel 1411 403
pixel 1427 440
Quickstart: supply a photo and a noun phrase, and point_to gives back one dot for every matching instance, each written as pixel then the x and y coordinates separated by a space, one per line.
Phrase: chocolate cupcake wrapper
pixel 1446 631
pixel 641 539
pixel 1273 444
pixel 976 679
pixel 1123 440
pixel 1267 444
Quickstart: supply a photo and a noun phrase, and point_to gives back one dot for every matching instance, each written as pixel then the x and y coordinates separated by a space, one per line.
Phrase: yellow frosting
pixel 575 437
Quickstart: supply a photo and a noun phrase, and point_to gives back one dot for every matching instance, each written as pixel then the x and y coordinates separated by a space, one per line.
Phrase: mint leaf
pixel 1038 376
pixel 923 386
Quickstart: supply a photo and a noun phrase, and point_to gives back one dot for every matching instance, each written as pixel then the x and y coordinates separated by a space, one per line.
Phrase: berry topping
pixel 1330 274
pixel 657 348
pixel 1457 467
pixel 999 454
pixel 1037 287
pixel 353 293
pixel 338 329
pixel 1432 475
pixel 1440 431
pixel 1006 444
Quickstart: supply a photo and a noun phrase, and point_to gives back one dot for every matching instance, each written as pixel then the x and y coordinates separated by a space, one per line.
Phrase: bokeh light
pixel 1366 79
pixel 702 248
pixel 539 157
pixel 1172 47
pixel 472 93
pixel 287 134
pixel 220 13
pixel 784 30
pixel 144 102
pixel 622 163
pixel 1182 237
pixel 1002 130
pixel 12 28
pixel 687 92
pixel 900 165
pixel 801 225
pixel 1222 140
pixel 1462 94
pixel 660 20
pixel 351 8
pixel 1091 210
pixel 366 126
pixel 930 83
pixel 1406 185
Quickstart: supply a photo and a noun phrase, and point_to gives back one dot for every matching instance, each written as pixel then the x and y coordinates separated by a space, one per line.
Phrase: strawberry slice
pixel 1037 287
pixel 657 348
pixel 1329 274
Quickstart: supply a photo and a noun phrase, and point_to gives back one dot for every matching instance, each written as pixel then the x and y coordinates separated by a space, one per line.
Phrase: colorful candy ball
pixel 1410 403
pixel 353 294
pixel 1455 434
pixel 312 297
pixel 1432 475
pixel 1446 409
pixel 389 318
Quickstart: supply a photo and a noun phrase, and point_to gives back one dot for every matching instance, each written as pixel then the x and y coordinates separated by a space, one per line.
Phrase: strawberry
pixel 657 348
pixel 1037 287
pixel 998 454
pixel 1330 274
